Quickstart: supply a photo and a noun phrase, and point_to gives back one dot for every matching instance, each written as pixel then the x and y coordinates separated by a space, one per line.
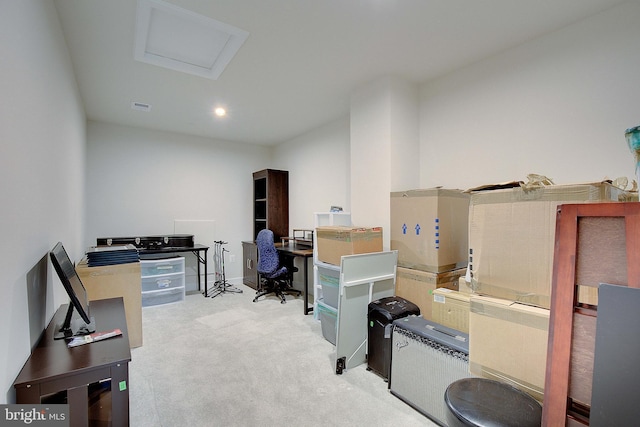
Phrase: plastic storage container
pixel 329 321
pixel 330 282
pixel 161 266
pixel 381 315
pixel 162 282
pixel 161 297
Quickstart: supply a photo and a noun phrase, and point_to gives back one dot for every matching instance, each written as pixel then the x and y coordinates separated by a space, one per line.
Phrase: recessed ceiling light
pixel 220 112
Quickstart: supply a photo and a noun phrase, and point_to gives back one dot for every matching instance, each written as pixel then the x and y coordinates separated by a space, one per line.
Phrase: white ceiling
pixel 301 62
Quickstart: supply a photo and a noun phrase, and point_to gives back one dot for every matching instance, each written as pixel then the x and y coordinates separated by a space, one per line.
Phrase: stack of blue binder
pixel 98 256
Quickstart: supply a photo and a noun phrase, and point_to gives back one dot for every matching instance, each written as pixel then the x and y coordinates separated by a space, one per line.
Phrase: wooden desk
pixel 305 253
pixel 54 368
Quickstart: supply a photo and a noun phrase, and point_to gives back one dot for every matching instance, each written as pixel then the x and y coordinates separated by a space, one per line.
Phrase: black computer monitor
pixel 77 296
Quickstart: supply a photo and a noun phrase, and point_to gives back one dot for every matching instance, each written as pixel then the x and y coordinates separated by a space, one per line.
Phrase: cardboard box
pixel 451 308
pixel 464 286
pixel 508 342
pixel 336 241
pixel 512 237
pixel 588 295
pixel 111 281
pixel 429 228
pixel 417 286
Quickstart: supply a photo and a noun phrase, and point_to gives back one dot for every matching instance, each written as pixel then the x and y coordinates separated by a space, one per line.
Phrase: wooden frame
pixel 584 256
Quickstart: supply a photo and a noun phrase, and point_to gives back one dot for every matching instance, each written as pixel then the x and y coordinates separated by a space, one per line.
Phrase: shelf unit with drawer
pixel 326 275
pixel 162 281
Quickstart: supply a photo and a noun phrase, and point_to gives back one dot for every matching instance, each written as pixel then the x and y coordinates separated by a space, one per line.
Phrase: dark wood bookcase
pixel 271 202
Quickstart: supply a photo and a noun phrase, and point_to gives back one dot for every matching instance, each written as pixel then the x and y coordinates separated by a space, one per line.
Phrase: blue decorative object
pixel 633 141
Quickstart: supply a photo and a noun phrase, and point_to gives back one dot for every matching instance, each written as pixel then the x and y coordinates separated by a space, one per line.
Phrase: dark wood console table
pixel 84 372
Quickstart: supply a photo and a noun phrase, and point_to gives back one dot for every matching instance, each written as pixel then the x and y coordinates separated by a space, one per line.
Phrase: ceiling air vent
pixel 140 106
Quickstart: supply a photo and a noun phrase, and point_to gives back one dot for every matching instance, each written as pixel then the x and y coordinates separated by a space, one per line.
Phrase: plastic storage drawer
pixel 157 283
pixel 158 267
pixel 328 321
pixel 330 282
pixel 161 297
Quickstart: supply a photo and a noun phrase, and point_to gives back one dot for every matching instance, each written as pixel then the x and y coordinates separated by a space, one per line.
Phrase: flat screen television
pixel 77 296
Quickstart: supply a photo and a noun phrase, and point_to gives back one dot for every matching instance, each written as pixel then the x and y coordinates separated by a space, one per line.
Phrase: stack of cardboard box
pixel 429 229
pixel 503 238
pixel 511 247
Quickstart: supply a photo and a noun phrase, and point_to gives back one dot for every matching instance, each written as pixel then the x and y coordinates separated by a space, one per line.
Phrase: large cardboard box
pixel 111 281
pixel 336 241
pixel 512 237
pixel 429 228
pixel 451 308
pixel 417 286
pixel 508 342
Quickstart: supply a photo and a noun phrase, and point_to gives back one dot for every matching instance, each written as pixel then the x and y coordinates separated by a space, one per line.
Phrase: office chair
pixel 274 277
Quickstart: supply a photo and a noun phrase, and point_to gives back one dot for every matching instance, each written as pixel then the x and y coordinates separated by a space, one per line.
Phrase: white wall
pixel 370 156
pixel 318 165
pixel 42 159
pixel 404 135
pixel 384 145
pixel 557 106
pixel 140 181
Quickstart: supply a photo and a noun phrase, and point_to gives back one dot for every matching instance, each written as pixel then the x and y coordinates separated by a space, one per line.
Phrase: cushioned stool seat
pixel 484 402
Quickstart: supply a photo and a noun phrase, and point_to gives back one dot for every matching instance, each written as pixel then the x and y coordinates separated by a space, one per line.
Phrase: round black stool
pixel 483 402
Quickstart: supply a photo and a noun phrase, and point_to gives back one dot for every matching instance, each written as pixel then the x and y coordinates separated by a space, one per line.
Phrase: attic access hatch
pixel 172 37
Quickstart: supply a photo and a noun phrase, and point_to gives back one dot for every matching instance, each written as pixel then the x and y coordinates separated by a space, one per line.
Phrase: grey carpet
pixel 228 361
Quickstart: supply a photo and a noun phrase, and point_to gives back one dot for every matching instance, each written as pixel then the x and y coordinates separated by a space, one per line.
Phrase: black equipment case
pixel 381 315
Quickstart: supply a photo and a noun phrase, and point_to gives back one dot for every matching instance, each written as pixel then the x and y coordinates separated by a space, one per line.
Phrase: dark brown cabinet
pixel 271 202
pixel 93 379
pixel 250 267
pixel 270 210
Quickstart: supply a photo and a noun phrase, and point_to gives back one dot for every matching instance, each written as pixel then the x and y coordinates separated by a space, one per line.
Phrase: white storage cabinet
pixel 162 281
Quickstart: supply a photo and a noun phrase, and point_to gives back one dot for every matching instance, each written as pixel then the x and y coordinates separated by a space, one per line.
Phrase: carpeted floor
pixel 228 361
